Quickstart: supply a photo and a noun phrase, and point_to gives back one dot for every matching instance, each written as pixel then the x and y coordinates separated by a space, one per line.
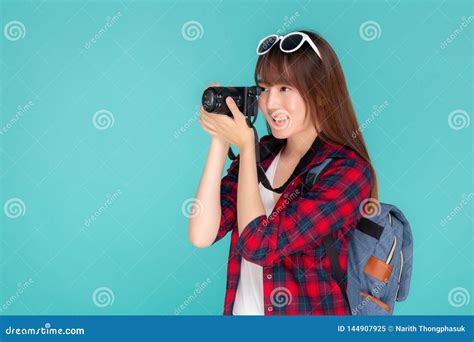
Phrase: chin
pixel 280 133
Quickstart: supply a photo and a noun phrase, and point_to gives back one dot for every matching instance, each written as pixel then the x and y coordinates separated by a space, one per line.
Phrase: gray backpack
pixel 380 259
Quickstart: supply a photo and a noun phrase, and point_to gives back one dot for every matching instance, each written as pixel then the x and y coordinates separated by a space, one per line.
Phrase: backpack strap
pixel 370 228
pixel 328 240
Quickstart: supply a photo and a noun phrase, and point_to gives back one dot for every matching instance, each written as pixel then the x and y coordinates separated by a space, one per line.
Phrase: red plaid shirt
pixel 297 277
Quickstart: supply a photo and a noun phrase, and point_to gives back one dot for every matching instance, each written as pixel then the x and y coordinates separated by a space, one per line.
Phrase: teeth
pixel 280 118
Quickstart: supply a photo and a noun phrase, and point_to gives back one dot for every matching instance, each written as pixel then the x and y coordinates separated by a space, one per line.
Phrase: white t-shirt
pixel 249 296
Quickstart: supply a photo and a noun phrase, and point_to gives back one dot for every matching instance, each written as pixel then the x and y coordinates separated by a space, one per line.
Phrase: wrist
pixel 219 144
pixel 219 148
pixel 248 148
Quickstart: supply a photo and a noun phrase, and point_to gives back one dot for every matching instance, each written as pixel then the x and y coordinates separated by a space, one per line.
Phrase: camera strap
pixel 304 161
pixel 262 177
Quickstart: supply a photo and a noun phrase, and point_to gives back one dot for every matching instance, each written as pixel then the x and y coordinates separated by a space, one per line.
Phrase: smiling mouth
pixel 280 119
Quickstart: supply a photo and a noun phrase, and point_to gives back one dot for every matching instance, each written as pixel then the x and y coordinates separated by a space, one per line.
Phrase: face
pixel 284 109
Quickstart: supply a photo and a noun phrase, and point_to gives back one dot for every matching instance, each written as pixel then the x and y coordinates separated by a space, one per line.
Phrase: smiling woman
pixel 277 262
pixel 315 91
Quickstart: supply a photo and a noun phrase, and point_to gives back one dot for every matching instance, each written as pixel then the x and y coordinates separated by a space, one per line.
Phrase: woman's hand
pixel 234 131
pixel 209 128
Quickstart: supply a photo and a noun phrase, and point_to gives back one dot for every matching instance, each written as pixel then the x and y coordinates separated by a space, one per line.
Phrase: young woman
pixel 277 262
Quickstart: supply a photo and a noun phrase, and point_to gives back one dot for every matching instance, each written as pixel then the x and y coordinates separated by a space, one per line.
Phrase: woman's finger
pixel 208 118
pixel 214 84
pixel 238 115
pixel 207 127
pixel 218 120
pixel 205 118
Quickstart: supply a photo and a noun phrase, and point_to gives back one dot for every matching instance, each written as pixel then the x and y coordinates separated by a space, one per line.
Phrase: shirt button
pixel 270 308
pixel 269 276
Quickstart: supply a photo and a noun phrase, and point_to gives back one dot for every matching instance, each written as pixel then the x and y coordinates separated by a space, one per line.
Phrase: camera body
pixel 213 100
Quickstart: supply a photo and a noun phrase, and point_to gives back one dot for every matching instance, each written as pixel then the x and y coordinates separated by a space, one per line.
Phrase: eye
pixel 285 89
pixel 264 90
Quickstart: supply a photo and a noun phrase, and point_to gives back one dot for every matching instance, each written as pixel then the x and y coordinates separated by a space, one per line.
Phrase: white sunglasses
pixel 288 43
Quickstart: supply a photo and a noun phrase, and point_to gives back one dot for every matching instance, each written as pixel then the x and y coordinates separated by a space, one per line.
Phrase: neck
pixel 298 144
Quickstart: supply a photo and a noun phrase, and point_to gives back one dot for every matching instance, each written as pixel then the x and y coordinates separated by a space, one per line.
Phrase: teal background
pixel 150 78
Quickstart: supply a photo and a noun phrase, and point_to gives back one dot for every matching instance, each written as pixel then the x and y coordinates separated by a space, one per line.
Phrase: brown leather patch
pixel 377 301
pixel 378 269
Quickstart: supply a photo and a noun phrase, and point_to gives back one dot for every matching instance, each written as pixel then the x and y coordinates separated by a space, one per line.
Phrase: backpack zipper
pixel 399 274
pixel 392 249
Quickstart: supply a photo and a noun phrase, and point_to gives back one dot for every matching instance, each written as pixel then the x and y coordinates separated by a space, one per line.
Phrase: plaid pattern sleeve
pixel 228 201
pixel 331 203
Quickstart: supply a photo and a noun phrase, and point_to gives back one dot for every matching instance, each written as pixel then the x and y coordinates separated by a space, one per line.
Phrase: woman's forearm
pixel 204 222
pixel 249 201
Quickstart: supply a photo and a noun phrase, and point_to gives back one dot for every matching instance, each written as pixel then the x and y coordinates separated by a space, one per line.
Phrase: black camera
pixel 213 100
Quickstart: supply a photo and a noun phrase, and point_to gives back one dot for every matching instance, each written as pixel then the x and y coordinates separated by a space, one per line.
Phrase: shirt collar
pixel 317 153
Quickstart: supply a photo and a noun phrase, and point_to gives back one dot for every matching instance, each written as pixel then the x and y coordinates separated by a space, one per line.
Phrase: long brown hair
pixel 323 87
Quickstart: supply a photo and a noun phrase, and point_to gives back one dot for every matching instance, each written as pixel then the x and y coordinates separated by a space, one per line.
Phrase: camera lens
pixel 209 100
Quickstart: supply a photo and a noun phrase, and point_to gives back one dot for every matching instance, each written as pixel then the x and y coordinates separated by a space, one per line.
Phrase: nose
pixel 273 100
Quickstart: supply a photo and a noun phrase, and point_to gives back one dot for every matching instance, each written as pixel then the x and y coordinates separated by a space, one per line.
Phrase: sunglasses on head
pixel 288 43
